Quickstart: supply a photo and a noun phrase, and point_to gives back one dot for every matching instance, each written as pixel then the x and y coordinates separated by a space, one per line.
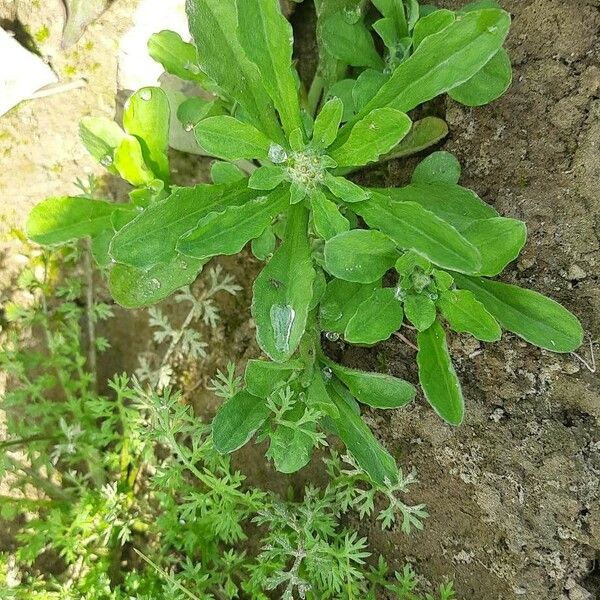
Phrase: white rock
pixel 136 68
pixel 21 73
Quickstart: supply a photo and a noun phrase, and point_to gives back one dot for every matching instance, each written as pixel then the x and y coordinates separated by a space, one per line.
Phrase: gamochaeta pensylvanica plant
pixel 329 244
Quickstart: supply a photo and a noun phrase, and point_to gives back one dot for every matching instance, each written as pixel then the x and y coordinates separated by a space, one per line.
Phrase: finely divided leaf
pixel 410 226
pixel 267 38
pixel 360 255
pixel 530 315
pixel 283 291
pixel 237 421
pixel 437 375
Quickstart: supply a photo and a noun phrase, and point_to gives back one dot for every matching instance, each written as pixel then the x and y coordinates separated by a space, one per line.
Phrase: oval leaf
pixel 530 315
pixel 360 255
pixel 237 421
pixel 437 375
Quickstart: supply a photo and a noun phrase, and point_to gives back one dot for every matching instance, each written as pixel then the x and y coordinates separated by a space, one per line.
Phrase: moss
pixel 42 34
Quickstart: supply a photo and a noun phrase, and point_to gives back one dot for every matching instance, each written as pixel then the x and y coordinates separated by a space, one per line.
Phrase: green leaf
pixel 230 139
pixel 152 237
pixel 176 56
pixel 237 421
pixel 327 219
pixel 386 29
pixel 535 318
pixel 133 287
pixel 367 85
pixel 432 24
pixel 486 85
pixel 147 116
pixel 454 204
pixel 290 449
pixel 327 123
pixel 345 190
pixel 101 137
pixel 214 26
pixel 377 133
pixel 59 220
pixel 350 42
pixel 130 163
pixel 376 319
pixel 225 172
pixel 264 245
pixel 343 90
pixel 341 301
pixel 267 178
pixel 438 167
pixel 361 443
pixel 283 291
pixel 193 110
pixel 360 255
pixel 375 389
pixel 467 315
pixel 267 38
pixel 420 310
pixel 318 396
pixel 424 133
pixel 443 61
pixel 227 232
pixel 437 375
pixel 499 242
pixel 412 227
pixel 264 377
pixel 394 10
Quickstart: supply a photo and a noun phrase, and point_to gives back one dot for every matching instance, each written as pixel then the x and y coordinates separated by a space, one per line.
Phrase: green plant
pixel 122 495
pixel 341 258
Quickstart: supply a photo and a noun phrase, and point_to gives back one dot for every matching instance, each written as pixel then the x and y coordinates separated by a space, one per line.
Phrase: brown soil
pixel 513 494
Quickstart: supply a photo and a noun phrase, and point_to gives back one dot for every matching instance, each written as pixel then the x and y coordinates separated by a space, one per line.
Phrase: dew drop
pixel 277 154
pixel 188 126
pixel 192 68
pixel 433 296
pixel 351 15
pixel 282 320
pixel 146 94
pixel 183 264
pixel 327 374
pixel 492 29
pixel 399 294
pixel 332 336
pixel 106 160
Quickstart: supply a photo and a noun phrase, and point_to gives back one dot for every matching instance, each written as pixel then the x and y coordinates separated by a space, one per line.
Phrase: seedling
pixel 342 259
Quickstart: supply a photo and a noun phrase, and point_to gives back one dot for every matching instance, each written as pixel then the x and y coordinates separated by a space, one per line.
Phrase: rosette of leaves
pixel 331 246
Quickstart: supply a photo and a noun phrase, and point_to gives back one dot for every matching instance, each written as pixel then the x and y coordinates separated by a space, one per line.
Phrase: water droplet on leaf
pixel 282 320
pixel 106 160
pixel 188 126
pixel 146 94
pixel 277 154
pixel 332 336
pixel 327 374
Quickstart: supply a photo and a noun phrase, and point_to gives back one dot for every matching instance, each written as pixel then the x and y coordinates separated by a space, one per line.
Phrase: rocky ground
pixel 514 493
